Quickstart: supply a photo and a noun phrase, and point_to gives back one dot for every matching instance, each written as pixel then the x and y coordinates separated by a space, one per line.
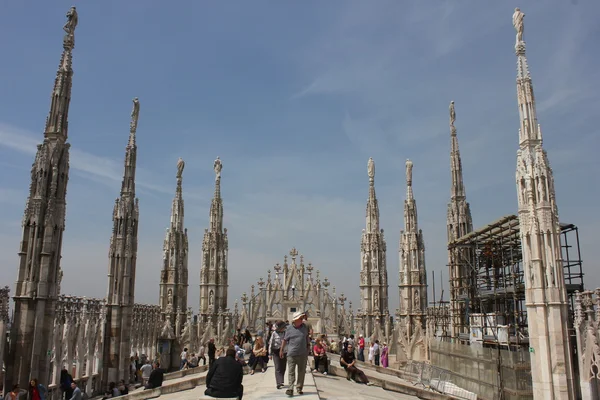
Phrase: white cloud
pixel 102 169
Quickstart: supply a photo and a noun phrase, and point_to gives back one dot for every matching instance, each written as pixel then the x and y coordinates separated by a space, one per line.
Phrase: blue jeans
pixel 361 354
pixel 181 364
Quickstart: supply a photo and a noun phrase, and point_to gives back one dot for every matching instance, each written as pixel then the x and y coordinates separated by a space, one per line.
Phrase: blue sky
pixel 294 97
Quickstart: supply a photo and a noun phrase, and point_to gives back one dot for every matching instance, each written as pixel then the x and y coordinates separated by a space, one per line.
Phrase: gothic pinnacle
pixel 409 167
pixel 135 113
pixel 57 120
pixel 371 170
pixel 452 119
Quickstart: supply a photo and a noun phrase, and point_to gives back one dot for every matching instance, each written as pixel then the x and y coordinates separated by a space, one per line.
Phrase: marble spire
pixel 122 256
pixel 458 224
pixel 413 279
pixel 545 293
pixel 38 282
pixel 413 274
pixel 373 274
pixel 214 269
pixel 174 274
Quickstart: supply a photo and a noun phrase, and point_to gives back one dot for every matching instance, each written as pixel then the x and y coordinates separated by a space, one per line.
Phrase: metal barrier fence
pixel 435 378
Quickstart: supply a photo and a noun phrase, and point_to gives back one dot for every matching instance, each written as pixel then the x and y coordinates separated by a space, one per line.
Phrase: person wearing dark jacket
pixel 212 349
pixel 224 377
pixel 156 377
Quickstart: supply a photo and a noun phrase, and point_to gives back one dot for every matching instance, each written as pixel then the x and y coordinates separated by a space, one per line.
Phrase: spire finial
pixel 409 167
pixel 135 113
pixel 218 166
pixel 452 118
pixel 371 169
pixel 69 28
pixel 517 19
pixel 180 167
pixel 57 122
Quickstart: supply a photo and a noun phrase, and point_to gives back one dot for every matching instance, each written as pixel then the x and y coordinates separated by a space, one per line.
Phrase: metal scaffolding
pixel 487 282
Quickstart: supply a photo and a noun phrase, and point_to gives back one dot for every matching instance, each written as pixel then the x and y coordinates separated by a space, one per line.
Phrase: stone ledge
pixel 399 387
pixel 366 366
pixel 167 388
pixel 185 372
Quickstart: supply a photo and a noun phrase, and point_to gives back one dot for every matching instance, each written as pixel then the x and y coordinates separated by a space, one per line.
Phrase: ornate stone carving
pixel 517 19
pixel 72 20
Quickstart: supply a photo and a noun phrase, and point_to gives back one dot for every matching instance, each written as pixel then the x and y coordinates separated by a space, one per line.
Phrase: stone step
pixel 388 379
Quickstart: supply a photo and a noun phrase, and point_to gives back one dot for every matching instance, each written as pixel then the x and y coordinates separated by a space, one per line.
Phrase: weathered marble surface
pixel 545 293
pixel 373 268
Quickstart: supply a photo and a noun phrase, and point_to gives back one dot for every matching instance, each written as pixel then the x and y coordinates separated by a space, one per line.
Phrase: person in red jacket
pixel 361 348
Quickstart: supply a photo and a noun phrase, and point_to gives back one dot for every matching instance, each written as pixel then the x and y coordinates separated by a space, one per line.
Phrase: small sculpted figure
pixel 518 23
pixel 71 23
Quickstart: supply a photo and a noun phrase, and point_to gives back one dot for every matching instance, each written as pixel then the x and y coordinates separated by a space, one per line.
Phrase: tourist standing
pixel 202 356
pixel 183 356
pixel 146 371
pixel 376 352
pixel 361 348
pixel 65 383
pixel 274 348
pixel 371 352
pixel 296 340
pixel 384 355
pixel 212 349
pixel 37 391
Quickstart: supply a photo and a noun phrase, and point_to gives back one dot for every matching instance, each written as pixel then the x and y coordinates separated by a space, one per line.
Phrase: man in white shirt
pixel 146 371
pixel 183 358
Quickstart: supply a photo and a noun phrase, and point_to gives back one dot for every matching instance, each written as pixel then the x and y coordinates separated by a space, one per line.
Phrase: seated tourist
pixel 156 377
pixel 320 356
pixel 348 361
pixel 224 377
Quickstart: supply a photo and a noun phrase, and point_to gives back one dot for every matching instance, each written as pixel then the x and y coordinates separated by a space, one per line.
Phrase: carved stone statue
pixel 71 21
pixel 135 113
pixel 416 300
pixel 518 23
pixel 452 113
pixel 180 167
pixel 218 166
pixel 409 167
pixel 371 168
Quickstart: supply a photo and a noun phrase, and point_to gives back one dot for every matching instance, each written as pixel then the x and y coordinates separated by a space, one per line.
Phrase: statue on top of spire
pixel 518 23
pixel 409 167
pixel 452 113
pixel 218 166
pixel 180 167
pixel 371 168
pixel 71 21
pixel 135 113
